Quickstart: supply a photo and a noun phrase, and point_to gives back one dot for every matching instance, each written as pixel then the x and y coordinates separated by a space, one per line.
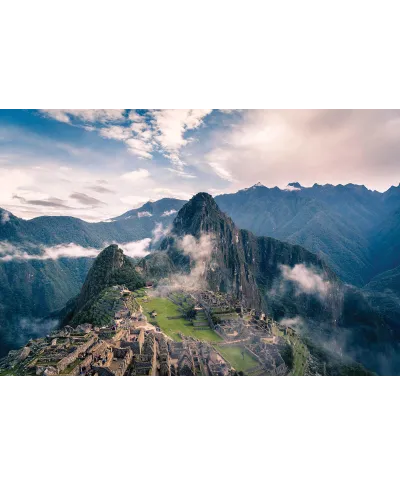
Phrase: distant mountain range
pixel 347 225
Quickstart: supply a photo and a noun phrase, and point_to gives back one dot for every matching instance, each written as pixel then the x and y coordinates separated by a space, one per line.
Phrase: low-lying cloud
pixel 168 213
pixel 200 253
pixel 144 214
pixel 10 252
pixel 290 322
pixel 306 280
pixel 160 231
pixel 5 217
pixel 136 249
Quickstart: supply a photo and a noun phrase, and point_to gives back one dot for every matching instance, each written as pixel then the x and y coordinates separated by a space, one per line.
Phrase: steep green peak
pixel 111 267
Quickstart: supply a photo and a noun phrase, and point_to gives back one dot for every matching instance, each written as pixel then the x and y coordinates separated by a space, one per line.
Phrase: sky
pixel 98 163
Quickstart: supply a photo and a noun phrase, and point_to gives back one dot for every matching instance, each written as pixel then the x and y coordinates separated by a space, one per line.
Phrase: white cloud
pixel 85 115
pixel 168 213
pixel 323 146
pixel 136 249
pixel 290 188
pixel 134 200
pixel 170 192
pixel 136 175
pixel 144 214
pixel 160 231
pixel 182 174
pixel 115 132
pixel 221 171
pixel 170 126
pixel 9 252
pixel 306 279
pixel 290 322
pixel 139 147
pixel 5 217
pixel 200 253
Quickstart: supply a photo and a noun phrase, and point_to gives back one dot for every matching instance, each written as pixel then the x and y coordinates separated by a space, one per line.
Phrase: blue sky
pixel 97 164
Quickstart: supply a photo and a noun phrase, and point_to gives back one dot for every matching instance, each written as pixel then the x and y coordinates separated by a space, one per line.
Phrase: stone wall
pixel 67 360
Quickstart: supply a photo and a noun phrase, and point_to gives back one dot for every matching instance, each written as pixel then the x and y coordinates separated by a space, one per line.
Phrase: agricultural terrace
pixel 170 320
pixel 238 357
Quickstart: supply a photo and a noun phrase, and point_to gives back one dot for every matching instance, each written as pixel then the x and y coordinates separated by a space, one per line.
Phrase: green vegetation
pixel 173 326
pixel 238 357
pixel 300 356
pixel 296 353
pixel 100 311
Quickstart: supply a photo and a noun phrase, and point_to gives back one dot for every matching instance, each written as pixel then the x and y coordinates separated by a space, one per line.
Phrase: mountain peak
pixel 255 186
pixel 198 215
pixel 111 267
pixel 293 186
pixel 5 216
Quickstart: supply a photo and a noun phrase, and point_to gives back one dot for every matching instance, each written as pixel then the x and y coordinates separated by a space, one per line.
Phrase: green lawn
pixel 166 308
pixel 233 354
pixel 300 355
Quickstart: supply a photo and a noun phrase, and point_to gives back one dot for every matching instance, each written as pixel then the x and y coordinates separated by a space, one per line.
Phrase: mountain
pixel 345 229
pixel 51 230
pixel 241 263
pixel 161 208
pixel 338 223
pixel 285 280
pixel 385 244
pixel 386 281
pixel 35 287
pixel 110 268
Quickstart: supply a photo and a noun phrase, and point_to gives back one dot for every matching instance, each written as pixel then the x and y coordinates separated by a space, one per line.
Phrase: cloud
pixel 144 214
pixel 168 213
pixel 140 147
pixel 136 175
pixel 115 133
pixel 306 280
pixel 5 217
pixel 100 189
pixel 182 174
pixel 200 254
pixel 85 115
pixel 169 192
pixel 171 125
pixel 134 200
pixel 86 199
pixel 136 249
pixel 10 252
pixel 221 171
pixel 323 146
pixel 160 231
pixel 290 322
pixel 49 202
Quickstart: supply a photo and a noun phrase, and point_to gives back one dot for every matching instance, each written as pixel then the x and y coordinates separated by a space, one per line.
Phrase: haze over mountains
pixel 348 229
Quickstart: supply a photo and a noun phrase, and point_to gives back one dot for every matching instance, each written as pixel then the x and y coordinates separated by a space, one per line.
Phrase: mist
pixel 200 252
pixel 17 332
pixel 10 252
pixel 306 280
pixel 5 217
